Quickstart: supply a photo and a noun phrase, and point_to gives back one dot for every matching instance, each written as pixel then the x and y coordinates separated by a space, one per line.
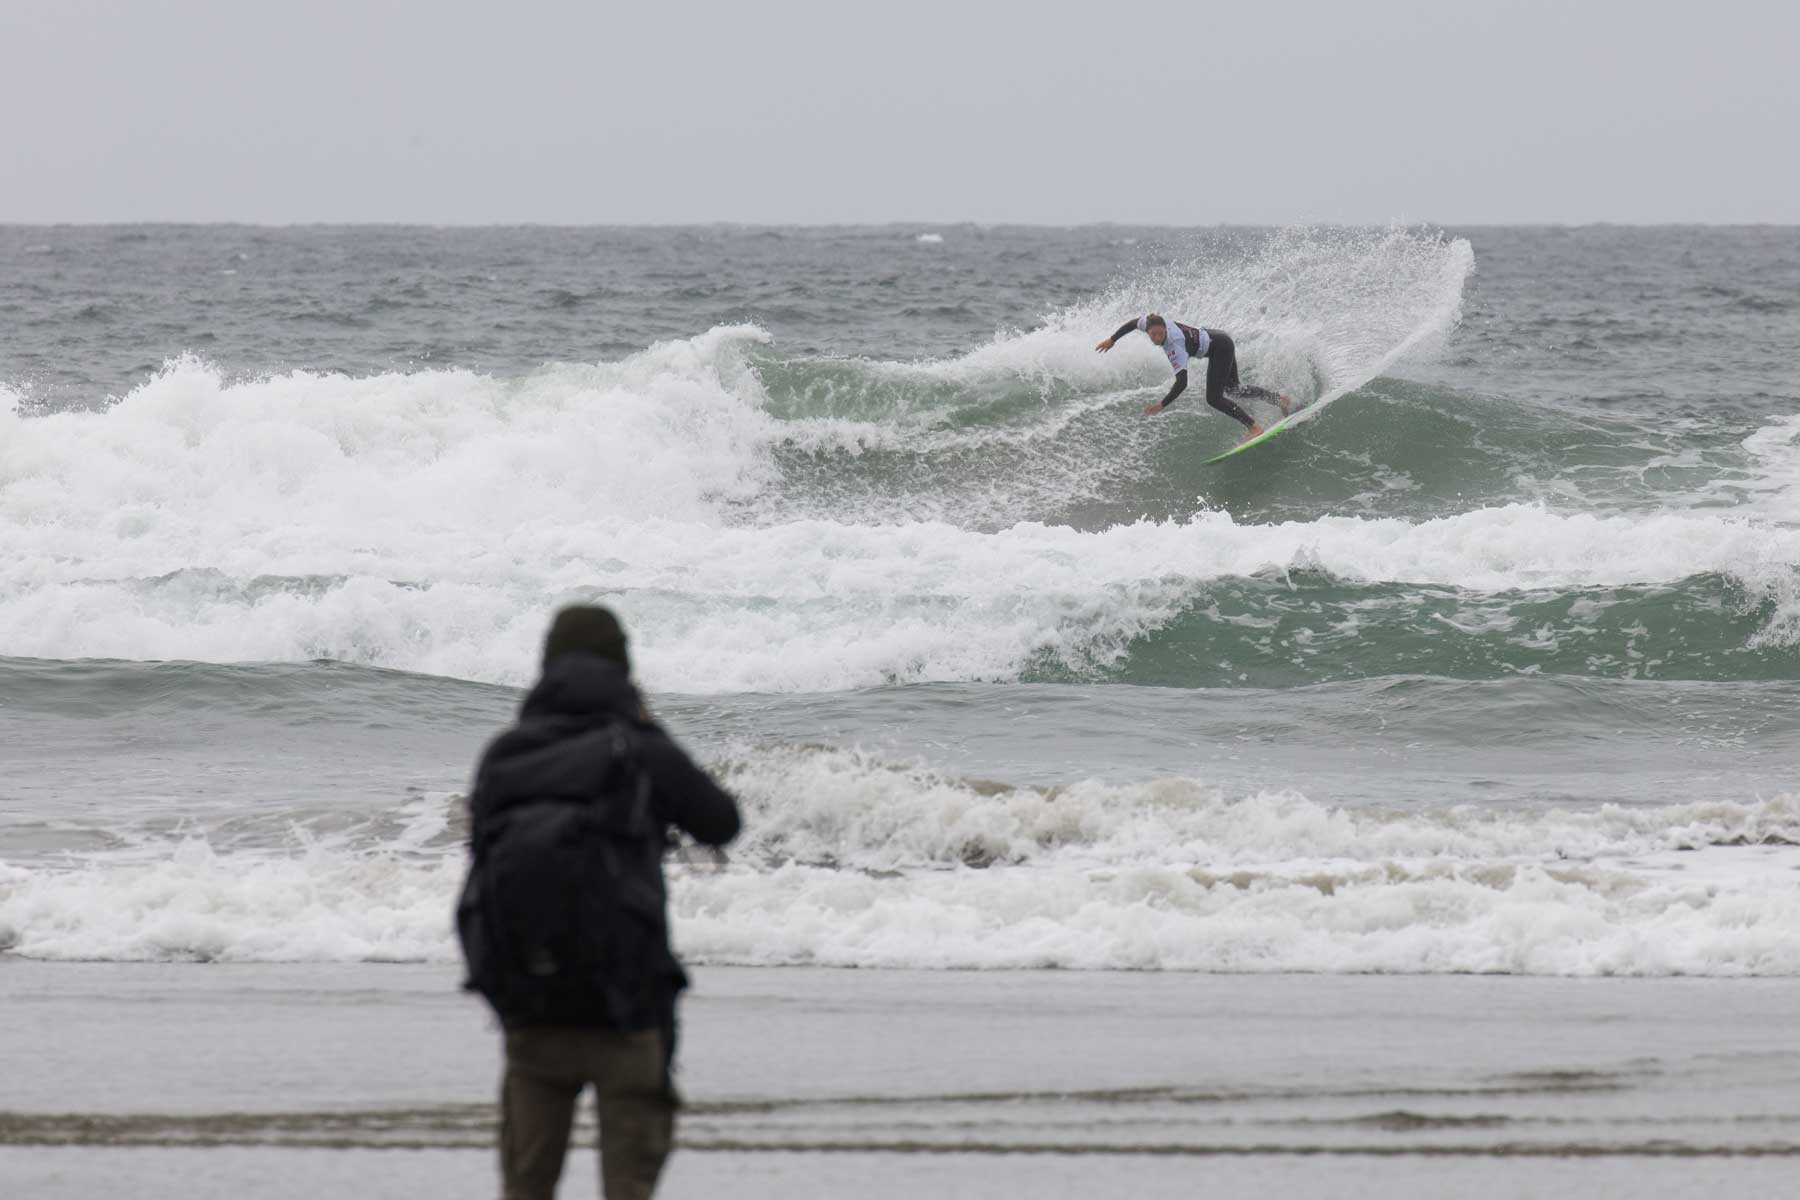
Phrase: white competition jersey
pixel 1175 342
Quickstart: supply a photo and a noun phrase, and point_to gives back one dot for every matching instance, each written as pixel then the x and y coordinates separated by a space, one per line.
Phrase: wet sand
pixel 157 1080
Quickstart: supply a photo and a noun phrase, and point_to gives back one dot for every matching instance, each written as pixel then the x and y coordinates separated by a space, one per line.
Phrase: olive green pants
pixel 546 1071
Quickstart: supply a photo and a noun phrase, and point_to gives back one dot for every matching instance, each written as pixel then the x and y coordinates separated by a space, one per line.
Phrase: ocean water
pixel 1488 665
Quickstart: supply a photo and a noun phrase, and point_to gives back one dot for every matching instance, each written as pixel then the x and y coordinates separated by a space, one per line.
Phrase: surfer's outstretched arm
pixel 1180 387
pixel 1128 327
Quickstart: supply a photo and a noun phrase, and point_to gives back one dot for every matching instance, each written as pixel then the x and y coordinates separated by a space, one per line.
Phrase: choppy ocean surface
pixel 1489 664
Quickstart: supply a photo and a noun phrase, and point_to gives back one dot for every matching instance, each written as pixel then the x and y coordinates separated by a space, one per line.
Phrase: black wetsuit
pixel 1220 354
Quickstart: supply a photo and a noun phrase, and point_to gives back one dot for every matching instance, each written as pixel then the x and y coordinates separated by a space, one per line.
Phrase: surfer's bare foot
pixel 1253 431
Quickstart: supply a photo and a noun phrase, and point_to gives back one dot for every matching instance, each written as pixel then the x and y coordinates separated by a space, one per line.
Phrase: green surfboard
pixel 1258 440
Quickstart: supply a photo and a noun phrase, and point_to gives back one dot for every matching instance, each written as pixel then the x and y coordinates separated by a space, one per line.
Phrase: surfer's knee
pixel 1224 404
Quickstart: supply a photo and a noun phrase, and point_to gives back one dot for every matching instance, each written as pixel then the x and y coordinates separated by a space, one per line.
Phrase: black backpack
pixel 562 916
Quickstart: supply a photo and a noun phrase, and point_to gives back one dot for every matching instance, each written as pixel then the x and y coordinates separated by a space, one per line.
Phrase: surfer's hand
pixel 1103 347
pixel 1150 410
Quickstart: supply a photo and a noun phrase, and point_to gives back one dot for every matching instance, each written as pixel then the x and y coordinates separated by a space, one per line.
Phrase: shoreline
pixel 914 1082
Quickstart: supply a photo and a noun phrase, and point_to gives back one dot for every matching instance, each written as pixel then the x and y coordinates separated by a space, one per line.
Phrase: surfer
pixel 1220 353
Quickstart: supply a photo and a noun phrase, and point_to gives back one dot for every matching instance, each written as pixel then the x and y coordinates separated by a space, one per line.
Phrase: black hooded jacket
pixel 553 752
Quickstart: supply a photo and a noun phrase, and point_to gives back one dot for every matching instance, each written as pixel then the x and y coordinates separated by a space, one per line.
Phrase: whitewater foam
pixel 809 605
pixel 853 861
pixel 1774 450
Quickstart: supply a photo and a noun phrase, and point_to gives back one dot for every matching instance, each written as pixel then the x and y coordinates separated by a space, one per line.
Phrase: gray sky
pixel 1184 112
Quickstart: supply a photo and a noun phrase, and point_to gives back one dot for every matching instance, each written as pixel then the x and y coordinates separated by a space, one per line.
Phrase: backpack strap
pixel 639 821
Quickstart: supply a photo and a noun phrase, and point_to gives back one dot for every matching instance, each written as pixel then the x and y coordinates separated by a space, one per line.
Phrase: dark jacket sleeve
pixel 1128 327
pixel 684 795
pixel 1180 387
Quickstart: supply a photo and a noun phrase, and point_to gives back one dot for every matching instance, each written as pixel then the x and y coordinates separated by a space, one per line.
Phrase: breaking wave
pixel 809 525
pixel 854 861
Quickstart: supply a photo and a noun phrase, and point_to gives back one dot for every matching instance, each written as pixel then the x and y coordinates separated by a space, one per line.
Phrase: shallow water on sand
pixel 1318 1085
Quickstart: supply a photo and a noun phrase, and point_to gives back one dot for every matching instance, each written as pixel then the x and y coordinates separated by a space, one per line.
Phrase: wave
pixel 778 526
pixel 1036 425
pixel 1042 451
pixel 690 427
pixel 1299 627
pixel 819 606
pixel 854 861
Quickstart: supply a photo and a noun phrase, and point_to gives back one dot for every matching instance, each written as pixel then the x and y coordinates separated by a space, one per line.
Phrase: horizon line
pixel 892 224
